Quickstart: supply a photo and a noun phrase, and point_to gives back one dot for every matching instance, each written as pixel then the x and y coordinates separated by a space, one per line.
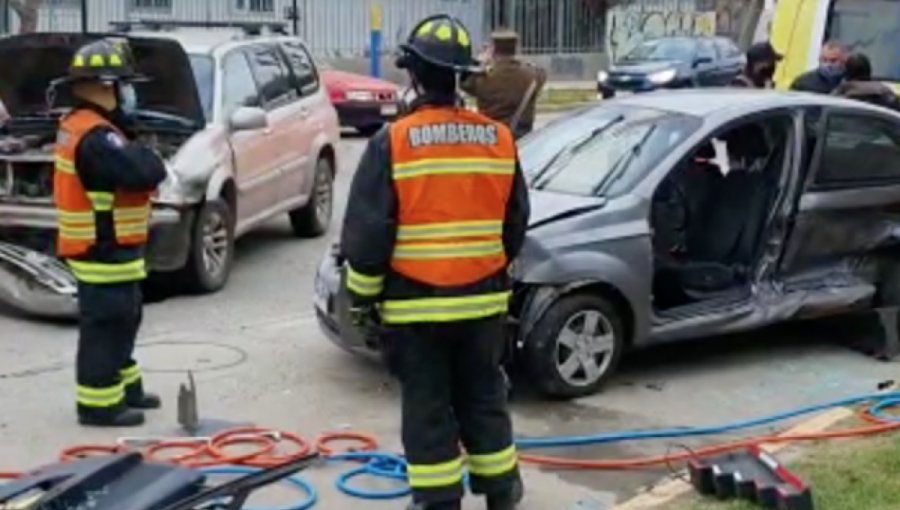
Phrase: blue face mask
pixel 831 72
pixel 127 98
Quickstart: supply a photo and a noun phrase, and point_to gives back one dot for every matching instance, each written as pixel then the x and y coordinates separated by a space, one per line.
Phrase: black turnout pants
pixel 107 374
pixel 453 390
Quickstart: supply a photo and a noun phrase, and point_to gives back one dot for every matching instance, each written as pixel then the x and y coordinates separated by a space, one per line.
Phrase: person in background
pixel 508 90
pixel 858 84
pixel 761 62
pixel 828 75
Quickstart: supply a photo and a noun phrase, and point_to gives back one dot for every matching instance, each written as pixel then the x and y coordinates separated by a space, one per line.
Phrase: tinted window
pixel 203 67
pixel 303 67
pixel 663 49
pixel 871 27
pixel 272 77
pixel 859 150
pixel 727 49
pixel 706 50
pixel 238 86
pixel 602 150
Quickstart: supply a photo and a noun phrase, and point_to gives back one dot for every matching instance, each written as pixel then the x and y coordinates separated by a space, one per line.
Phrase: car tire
pixel 212 248
pixel 369 131
pixel 313 219
pixel 589 323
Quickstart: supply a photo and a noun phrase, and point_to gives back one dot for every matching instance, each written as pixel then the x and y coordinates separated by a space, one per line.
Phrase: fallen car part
pixel 36 284
pixel 751 475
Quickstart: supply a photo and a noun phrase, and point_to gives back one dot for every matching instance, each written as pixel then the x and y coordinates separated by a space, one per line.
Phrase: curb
pixel 674 489
pixel 552 108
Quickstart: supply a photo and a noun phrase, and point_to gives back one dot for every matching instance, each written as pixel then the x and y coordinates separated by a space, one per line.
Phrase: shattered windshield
pixel 602 150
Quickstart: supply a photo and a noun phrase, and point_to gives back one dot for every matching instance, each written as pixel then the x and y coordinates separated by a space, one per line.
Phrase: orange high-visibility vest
pixel 77 207
pixel 453 174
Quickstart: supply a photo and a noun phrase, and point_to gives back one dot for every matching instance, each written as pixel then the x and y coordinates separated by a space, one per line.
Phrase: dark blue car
pixel 673 62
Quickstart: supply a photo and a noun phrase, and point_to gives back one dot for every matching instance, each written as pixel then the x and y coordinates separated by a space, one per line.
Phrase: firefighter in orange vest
pixel 437 210
pixel 102 186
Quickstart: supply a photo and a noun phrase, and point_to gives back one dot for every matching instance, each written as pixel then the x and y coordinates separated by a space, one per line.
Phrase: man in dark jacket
pixel 828 75
pixel 437 210
pixel 858 84
pixel 501 91
pixel 761 62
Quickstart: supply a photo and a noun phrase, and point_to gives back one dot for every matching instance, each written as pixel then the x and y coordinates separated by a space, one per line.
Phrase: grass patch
pixel 844 475
pixel 553 99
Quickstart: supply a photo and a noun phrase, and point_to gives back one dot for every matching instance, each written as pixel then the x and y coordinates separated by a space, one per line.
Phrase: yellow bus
pixel 872 27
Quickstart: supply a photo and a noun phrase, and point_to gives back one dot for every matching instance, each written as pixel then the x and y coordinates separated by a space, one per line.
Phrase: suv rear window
pixel 303 67
pixel 871 27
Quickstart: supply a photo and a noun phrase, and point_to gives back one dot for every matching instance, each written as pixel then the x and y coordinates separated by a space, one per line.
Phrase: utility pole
pixel 84 16
pixel 295 17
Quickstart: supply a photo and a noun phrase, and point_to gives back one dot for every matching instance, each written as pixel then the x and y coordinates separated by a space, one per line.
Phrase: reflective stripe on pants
pixel 103 273
pixel 493 464
pixel 110 396
pixel 431 476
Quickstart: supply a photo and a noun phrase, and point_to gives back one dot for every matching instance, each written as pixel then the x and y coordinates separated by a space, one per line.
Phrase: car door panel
pixel 298 187
pixel 251 162
pixel 851 202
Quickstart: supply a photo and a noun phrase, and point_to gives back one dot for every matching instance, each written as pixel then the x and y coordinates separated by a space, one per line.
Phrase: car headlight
pixel 360 95
pixel 602 76
pixel 171 190
pixel 662 77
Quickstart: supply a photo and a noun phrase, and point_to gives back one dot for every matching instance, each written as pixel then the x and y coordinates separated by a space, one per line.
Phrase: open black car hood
pixel 29 62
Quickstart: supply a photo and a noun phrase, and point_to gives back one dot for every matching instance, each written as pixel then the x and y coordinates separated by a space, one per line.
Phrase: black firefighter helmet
pixel 104 60
pixel 442 41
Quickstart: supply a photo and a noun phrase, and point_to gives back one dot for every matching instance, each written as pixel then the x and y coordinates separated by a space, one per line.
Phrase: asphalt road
pixel 259 358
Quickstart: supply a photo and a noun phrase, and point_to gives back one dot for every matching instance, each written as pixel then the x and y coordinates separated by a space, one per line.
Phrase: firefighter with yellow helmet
pixel 437 210
pixel 102 186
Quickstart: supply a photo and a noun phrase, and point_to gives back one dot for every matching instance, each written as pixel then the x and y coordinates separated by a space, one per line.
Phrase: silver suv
pixel 244 123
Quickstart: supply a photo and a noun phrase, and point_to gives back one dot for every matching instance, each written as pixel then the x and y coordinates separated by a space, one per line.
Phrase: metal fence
pixel 552 26
pixel 332 27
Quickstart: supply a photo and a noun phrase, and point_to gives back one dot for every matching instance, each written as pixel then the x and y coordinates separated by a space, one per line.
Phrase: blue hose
pixel 293 481
pixel 378 465
pixel 881 402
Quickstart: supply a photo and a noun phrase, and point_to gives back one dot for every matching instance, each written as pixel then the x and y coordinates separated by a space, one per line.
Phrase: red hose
pixel 366 442
pixel 263 459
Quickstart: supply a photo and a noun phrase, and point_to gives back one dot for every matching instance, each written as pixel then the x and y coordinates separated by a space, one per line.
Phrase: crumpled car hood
pixel 547 206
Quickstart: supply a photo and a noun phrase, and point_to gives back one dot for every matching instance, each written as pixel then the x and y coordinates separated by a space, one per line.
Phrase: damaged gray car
pixel 245 127
pixel 676 215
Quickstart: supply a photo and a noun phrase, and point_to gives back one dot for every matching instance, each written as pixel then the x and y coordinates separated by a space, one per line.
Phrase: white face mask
pixel 127 98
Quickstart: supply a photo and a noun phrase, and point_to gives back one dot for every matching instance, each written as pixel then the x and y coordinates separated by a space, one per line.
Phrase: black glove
pixel 365 317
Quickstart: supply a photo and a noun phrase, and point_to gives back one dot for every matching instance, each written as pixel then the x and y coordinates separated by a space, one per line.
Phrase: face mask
pixel 127 98
pixel 831 71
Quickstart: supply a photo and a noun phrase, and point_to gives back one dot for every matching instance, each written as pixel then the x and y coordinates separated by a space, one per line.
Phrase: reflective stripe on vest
pixel 452 172
pixel 409 311
pixel 105 273
pixel 77 208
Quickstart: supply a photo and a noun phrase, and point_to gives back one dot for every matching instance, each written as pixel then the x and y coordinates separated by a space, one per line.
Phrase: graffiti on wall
pixel 630 24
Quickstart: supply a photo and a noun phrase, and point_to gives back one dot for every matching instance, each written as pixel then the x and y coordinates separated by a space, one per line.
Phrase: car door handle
pixel 304 112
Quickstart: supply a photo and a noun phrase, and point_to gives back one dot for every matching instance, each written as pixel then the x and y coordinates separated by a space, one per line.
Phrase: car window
pixel 706 50
pixel 603 150
pixel 303 67
pixel 272 77
pixel 859 150
pixel 204 75
pixel 681 49
pixel 238 85
pixel 727 49
pixel 871 27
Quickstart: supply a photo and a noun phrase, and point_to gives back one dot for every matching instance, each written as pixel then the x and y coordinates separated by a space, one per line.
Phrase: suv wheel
pixel 575 346
pixel 212 248
pixel 312 219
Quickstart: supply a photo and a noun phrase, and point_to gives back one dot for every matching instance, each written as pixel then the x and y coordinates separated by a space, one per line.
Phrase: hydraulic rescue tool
pixel 751 475
pixel 127 482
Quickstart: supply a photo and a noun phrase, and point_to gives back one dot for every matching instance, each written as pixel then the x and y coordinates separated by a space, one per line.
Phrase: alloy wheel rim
pixel 584 348
pixel 215 244
pixel 323 195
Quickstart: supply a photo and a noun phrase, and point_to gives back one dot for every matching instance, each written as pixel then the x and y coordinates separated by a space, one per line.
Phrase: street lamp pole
pixel 84 17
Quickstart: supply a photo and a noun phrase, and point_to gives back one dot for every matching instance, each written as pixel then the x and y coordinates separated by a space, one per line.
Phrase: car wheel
pixel 313 219
pixel 575 346
pixel 212 248
pixel 369 131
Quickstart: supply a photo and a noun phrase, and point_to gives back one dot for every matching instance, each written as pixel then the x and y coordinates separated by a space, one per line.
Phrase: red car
pixel 362 102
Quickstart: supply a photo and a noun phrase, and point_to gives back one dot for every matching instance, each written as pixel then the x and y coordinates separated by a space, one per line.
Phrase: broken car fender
pixel 36 284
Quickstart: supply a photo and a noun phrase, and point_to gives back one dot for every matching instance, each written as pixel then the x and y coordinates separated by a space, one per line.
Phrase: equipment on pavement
pixel 752 475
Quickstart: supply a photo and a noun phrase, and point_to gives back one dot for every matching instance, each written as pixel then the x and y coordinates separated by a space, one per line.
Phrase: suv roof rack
pixel 250 28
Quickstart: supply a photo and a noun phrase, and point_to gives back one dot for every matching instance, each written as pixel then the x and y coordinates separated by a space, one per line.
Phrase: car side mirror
pixel 702 60
pixel 248 118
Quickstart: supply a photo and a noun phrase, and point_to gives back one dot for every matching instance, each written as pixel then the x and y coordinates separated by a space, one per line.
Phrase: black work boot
pixel 120 416
pixel 137 398
pixel 507 500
